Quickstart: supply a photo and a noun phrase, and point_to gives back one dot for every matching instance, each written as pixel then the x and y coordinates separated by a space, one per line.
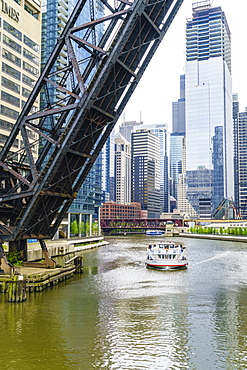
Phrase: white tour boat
pixel 154 232
pixel 166 256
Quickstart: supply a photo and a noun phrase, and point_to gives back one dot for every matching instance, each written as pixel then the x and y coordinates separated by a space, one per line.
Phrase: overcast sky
pixel 159 86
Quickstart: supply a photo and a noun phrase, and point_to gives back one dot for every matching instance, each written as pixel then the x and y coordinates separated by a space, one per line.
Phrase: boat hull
pixel 168 266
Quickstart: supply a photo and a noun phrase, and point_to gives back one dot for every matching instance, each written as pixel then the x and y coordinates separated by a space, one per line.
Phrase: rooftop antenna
pixel 141 117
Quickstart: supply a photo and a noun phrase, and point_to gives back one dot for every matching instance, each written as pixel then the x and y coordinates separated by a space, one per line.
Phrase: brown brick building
pixel 113 210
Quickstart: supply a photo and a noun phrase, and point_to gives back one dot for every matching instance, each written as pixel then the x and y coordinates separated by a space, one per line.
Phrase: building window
pixel 27 54
pixel 11 43
pixel 10 99
pixel 12 30
pixel 6 125
pixel 27 80
pixel 28 7
pixel 26 92
pixel 5 111
pixel 3 138
pixel 31 44
pixel 11 57
pixel 30 69
pixel 10 85
pixel 11 71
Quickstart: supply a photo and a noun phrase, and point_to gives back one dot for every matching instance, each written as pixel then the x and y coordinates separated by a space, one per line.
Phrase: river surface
pixel 120 315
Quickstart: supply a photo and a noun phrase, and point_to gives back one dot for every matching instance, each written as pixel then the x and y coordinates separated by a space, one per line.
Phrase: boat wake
pixel 218 256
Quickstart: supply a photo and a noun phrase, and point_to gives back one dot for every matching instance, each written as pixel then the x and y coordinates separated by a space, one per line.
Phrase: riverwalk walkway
pixel 61 247
pixel 232 238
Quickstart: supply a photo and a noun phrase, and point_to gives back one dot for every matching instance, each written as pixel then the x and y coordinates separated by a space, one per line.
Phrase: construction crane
pixel 35 194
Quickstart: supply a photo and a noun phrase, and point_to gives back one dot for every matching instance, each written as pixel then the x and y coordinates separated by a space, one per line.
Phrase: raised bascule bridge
pixel 70 131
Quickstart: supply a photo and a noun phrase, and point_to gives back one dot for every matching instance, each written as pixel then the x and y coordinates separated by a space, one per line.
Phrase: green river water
pixel 118 315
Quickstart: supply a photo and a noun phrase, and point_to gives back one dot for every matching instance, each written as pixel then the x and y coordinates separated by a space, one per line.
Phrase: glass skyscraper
pixel 178 109
pixel 176 158
pixel 242 163
pixel 108 169
pixel 235 111
pixel 208 99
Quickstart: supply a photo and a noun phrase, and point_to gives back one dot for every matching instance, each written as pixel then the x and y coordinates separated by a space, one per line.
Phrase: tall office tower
pixel 235 111
pixel 208 99
pixel 20 67
pixel 161 131
pixel 145 171
pixel 183 205
pixel 126 128
pixel 176 158
pixel 55 14
pixel 108 172
pixel 178 110
pixel 242 160
pixel 122 170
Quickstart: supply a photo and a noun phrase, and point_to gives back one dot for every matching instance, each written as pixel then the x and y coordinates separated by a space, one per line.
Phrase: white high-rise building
pixel 208 96
pixel 145 171
pixel 161 131
pixel 122 170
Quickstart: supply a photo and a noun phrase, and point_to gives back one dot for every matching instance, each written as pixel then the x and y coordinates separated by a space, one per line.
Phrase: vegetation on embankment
pixel 218 231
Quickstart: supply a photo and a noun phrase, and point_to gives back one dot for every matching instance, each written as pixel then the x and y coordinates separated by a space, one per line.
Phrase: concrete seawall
pixel 62 247
pixel 232 238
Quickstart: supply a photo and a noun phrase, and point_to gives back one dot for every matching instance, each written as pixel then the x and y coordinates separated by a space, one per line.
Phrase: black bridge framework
pixel 35 193
pixel 108 225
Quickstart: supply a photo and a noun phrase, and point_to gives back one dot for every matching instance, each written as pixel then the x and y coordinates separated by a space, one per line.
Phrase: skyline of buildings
pixel 206 105
pixel 176 182
pixel 204 127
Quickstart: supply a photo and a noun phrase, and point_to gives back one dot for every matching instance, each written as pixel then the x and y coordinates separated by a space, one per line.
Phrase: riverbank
pixel 233 238
pixel 62 247
pixel 34 276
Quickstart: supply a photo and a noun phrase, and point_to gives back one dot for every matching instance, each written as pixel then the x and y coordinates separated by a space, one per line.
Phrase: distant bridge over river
pixel 120 226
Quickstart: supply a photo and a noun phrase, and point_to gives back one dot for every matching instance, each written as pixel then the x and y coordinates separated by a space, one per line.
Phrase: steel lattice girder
pixel 35 195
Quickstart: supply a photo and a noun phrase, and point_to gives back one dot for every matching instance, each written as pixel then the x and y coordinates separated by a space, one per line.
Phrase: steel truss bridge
pixel 109 225
pixel 36 193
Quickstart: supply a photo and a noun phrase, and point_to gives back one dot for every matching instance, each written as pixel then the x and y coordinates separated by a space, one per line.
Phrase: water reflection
pixel 120 315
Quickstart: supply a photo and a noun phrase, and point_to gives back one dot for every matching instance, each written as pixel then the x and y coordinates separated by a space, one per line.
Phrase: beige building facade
pixel 20 44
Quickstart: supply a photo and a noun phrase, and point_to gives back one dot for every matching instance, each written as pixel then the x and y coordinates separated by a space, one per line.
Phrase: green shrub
pixel 15 258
